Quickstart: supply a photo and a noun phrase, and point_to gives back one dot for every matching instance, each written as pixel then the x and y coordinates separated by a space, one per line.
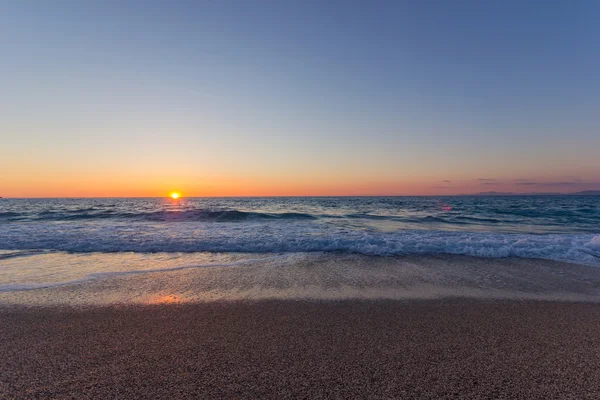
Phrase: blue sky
pixel 290 97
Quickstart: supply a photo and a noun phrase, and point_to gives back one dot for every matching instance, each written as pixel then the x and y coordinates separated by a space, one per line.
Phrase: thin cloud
pixel 446 181
pixel 562 183
pixel 486 180
pixel 571 179
pixel 525 183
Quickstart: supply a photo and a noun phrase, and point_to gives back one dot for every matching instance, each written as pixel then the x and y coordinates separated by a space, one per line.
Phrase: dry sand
pixel 452 348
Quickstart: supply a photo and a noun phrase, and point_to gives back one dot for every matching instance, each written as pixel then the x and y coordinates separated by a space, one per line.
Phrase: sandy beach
pixel 445 348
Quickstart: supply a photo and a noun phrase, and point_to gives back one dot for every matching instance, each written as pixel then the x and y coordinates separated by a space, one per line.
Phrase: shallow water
pixel 73 279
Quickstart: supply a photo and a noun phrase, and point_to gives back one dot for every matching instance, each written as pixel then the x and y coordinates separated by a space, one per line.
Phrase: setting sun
pixel 175 195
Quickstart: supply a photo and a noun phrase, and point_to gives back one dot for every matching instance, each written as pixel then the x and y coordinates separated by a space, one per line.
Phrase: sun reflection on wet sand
pixel 167 299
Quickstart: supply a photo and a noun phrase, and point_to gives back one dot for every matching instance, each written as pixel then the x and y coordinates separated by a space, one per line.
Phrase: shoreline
pixel 105 279
pixel 444 348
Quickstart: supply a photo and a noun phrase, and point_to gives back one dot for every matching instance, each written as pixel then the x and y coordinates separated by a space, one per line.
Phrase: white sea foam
pixel 293 237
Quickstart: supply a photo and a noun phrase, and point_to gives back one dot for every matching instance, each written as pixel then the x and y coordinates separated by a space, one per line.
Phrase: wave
pixel 218 216
pixel 479 220
pixel 550 222
pixel 307 237
pixel 11 216
pixel 162 216
pixel 427 219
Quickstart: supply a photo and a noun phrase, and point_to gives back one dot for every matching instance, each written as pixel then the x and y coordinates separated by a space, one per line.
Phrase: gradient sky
pixel 138 98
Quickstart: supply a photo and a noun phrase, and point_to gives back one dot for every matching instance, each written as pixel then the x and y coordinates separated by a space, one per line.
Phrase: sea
pixel 65 244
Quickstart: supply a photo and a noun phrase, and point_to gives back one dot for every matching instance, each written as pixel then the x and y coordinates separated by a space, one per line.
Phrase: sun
pixel 174 195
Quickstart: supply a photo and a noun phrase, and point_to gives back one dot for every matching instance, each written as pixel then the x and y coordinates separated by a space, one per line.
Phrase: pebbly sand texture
pixel 452 348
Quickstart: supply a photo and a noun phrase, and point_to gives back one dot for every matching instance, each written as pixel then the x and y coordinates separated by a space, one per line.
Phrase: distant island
pixel 492 193
pixel 588 193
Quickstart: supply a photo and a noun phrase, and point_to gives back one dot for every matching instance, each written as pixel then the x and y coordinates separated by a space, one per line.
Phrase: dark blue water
pixel 555 227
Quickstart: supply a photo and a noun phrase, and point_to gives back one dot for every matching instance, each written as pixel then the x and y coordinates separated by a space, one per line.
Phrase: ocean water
pixel 51 243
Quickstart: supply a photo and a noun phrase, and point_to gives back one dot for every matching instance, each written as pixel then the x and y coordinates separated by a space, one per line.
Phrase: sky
pixel 257 98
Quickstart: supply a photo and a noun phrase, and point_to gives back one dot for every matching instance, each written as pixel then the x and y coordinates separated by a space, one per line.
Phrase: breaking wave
pixel 298 237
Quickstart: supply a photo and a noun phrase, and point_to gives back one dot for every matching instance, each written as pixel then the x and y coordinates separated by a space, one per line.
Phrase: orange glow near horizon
pixel 20 184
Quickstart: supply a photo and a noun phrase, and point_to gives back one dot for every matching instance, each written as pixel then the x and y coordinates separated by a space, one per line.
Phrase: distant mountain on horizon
pixel 588 193
pixel 493 193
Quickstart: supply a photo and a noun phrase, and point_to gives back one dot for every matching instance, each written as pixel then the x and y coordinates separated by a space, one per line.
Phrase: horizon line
pixel 481 194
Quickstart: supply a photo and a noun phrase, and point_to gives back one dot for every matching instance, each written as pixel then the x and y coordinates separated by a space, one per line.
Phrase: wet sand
pixel 444 348
pixel 295 276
